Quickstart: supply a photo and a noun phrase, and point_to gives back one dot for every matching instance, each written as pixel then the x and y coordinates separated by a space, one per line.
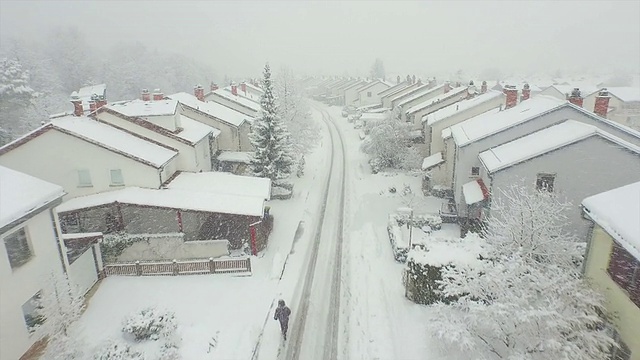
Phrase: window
pixel 84 178
pixel 18 249
pixel 32 312
pixel 368 93
pixel 116 178
pixel 545 182
pixel 624 270
pixel 475 170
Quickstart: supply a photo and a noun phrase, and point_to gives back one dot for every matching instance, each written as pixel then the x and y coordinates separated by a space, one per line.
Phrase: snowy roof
pixel 465 252
pixel 446 133
pixel 235 156
pixel 139 108
pixel 543 141
pixel 115 140
pixel 87 91
pixel 483 125
pixel 420 92
pixel 21 193
pixel 585 90
pixel 626 94
pixel 617 211
pixel 223 183
pixel 194 131
pixel 174 199
pixel 373 116
pixel 358 84
pixel 474 191
pixel 238 99
pixel 373 83
pixel 461 106
pixel 214 109
pixel 454 92
pixel 251 86
pixel 401 95
pixel 394 88
pixel 431 161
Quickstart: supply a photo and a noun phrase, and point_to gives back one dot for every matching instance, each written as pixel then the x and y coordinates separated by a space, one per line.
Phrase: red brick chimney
pixel 146 96
pixel 602 103
pixel 198 91
pixel 526 92
pixel 213 86
pixel 512 96
pixel 483 87
pixel 575 97
pixel 77 105
pixel 157 95
pixel 447 87
pixel 92 105
pixel 243 87
pixel 234 89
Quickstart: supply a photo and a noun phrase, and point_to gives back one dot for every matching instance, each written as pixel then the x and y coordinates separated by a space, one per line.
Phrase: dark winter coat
pixel 282 314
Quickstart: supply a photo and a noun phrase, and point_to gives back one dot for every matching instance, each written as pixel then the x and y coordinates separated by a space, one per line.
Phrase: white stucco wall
pixel 56 157
pixel 351 96
pixel 466 157
pixel 433 134
pixel 244 130
pixel 186 159
pixel 228 138
pixel 20 284
pixel 582 169
pixel 364 99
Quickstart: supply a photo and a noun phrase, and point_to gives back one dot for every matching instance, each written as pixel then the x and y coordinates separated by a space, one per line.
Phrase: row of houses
pixel 577 142
pixel 146 167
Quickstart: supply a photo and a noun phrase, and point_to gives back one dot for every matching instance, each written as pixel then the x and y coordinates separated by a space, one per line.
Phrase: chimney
pixel 100 101
pixel 458 84
pixel 575 97
pixel 526 92
pixel 157 95
pixel 409 79
pixel 602 103
pixel 234 89
pixel 146 96
pixel 483 87
pixel 77 104
pixel 471 90
pixel 398 80
pixel 213 86
pixel 447 87
pixel 413 79
pixel 243 87
pixel 512 96
pixel 198 92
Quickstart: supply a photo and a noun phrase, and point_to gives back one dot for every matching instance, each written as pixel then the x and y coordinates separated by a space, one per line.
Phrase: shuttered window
pixel 18 248
pixel 624 270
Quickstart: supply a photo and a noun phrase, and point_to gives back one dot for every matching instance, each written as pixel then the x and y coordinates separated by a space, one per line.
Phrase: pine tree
pixel 272 156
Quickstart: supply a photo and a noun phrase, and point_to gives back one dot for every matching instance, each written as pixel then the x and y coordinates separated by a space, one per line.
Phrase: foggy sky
pixel 336 38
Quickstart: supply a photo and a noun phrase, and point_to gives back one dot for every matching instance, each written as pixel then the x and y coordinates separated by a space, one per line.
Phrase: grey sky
pixel 334 37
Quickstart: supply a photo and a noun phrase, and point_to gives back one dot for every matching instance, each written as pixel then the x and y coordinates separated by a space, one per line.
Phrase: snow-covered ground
pixel 231 317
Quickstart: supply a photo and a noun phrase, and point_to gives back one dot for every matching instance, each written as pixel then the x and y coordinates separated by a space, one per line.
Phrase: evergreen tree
pixel 272 156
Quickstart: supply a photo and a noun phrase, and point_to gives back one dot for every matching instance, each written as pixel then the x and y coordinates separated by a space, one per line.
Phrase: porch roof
pixel 474 191
pixel 216 182
pixel 172 199
pixel 431 161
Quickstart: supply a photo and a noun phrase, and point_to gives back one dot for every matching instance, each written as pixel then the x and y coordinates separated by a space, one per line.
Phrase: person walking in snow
pixel 282 314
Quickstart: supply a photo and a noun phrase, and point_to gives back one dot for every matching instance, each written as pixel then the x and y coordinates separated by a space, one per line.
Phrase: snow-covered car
pixel 358 124
pixel 348 110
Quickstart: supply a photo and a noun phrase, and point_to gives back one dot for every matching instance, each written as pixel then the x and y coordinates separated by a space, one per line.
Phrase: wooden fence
pixel 189 267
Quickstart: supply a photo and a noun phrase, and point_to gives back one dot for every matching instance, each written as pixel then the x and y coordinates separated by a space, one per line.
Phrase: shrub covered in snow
pixel 422 275
pixel 150 323
pixel 114 350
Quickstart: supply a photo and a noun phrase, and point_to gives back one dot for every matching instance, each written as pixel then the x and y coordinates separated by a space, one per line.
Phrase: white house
pixel 416 97
pixel 572 159
pixel 448 97
pixel 435 122
pixel 489 130
pixel 30 255
pixel 236 102
pixel 351 96
pixel 368 95
pixel 386 97
pixel 86 157
pixel 164 121
pixel 624 106
pixel 397 87
pixel 234 126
